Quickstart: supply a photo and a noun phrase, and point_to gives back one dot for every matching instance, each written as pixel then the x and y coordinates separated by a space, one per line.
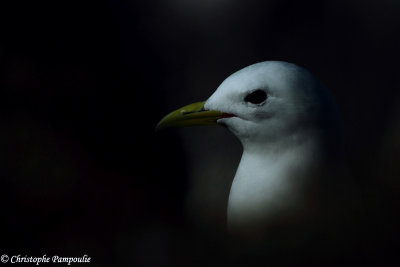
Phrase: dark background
pixel 83 83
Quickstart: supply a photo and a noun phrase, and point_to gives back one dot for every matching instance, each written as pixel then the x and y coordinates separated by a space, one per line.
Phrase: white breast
pixel 271 184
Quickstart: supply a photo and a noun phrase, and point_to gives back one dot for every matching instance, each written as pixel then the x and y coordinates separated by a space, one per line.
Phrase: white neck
pixel 271 181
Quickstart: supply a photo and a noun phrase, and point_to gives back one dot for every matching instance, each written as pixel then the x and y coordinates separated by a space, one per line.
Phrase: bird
pixel 292 200
pixel 291 174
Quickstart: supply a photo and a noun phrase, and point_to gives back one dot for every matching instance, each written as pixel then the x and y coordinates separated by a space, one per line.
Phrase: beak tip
pixel 158 127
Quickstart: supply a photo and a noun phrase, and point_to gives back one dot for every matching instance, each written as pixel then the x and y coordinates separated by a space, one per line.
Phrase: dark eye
pixel 256 97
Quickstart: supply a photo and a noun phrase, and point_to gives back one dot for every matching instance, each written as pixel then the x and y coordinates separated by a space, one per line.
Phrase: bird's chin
pixel 225 119
pixel 222 122
pixel 230 122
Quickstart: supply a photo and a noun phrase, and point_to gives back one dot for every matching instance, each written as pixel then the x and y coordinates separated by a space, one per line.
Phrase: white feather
pixel 290 141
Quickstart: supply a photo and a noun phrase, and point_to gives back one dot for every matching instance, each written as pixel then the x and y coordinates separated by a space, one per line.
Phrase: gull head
pixel 265 103
pixel 272 101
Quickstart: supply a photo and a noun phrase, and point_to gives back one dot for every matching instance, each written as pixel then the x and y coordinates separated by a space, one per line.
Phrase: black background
pixel 83 83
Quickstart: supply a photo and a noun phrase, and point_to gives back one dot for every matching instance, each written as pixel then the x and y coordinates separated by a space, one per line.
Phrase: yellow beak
pixel 193 114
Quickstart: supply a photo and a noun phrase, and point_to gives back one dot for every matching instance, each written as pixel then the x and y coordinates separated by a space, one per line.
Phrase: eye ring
pixel 256 97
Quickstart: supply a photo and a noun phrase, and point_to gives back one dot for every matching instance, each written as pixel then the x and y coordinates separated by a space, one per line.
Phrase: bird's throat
pixel 270 185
